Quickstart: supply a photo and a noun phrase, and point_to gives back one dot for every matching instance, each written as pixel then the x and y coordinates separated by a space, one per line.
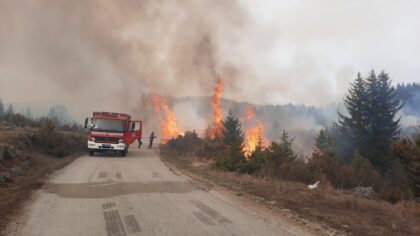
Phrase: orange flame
pixel 168 123
pixel 253 134
pixel 216 129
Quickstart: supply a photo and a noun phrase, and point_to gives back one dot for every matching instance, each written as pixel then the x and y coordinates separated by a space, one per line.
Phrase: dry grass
pixel 13 197
pixel 337 208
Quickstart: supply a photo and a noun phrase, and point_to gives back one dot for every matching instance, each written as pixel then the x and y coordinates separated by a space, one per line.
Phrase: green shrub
pixel 232 158
pixel 408 154
pixel 297 170
pixel 52 142
pixel 18 120
pixel 189 143
pixel 256 163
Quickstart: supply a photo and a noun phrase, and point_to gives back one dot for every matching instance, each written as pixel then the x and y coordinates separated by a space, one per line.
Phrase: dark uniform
pixel 152 136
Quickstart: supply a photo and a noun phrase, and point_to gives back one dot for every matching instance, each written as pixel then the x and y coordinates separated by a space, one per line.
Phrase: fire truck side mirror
pixel 86 122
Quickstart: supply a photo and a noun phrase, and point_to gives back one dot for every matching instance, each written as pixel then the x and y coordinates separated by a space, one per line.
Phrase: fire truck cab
pixel 111 132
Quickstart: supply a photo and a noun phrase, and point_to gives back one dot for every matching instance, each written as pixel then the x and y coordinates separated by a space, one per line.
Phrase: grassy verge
pixel 339 209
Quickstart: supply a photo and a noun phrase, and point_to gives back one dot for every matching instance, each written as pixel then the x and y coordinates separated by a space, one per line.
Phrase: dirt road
pixel 136 195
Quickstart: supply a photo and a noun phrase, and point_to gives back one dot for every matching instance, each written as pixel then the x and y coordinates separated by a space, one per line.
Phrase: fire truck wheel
pixel 124 153
pixel 91 153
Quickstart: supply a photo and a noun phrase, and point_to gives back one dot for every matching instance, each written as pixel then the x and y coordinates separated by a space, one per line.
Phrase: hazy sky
pixel 87 53
pixel 331 40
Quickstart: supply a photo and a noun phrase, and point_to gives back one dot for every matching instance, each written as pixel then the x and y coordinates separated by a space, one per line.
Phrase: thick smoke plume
pixel 106 54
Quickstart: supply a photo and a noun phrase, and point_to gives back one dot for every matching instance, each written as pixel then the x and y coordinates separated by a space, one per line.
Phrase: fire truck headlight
pixel 121 140
pixel 92 139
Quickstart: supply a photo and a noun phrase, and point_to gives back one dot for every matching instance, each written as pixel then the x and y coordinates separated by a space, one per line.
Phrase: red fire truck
pixel 111 132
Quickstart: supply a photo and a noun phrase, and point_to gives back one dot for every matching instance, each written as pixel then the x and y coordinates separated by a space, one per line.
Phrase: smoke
pixel 410 113
pixel 105 54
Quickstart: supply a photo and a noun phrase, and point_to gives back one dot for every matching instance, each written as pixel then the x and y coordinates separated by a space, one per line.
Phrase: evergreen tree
pixel 286 146
pixel 383 125
pixel 325 143
pixel 354 126
pixel 1 108
pixel 233 157
pixel 371 125
pixel 283 151
pixel 232 131
pixel 280 153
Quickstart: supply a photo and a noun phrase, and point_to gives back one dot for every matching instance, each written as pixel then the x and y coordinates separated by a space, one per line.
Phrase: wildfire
pixel 168 123
pixel 253 132
pixel 216 129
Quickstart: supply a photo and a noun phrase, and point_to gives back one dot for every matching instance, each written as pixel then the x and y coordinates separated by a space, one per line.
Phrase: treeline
pixel 409 94
pixel 50 132
pixel 58 114
pixel 363 148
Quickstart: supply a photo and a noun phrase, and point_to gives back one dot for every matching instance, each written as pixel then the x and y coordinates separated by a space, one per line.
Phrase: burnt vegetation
pixel 363 147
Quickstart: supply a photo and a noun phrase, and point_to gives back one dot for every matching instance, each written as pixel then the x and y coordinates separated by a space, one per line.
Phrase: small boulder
pixel 5 178
pixel 26 163
pixel 271 203
pixel 9 152
pixel 17 170
pixel 366 192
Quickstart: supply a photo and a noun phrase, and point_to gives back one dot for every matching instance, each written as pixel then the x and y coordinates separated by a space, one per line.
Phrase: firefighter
pixel 140 142
pixel 152 136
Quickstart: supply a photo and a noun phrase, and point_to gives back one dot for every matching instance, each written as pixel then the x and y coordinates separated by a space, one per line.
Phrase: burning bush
pixel 168 122
pixel 246 151
pixel 215 130
pixel 253 132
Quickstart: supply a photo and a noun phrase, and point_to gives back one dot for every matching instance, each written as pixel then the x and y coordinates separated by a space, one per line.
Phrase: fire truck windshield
pixel 107 125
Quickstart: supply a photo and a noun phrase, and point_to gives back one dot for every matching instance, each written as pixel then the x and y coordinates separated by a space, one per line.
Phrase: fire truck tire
pixel 124 153
pixel 91 153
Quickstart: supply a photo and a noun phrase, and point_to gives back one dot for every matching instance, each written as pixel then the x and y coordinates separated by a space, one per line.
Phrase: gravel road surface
pixel 135 195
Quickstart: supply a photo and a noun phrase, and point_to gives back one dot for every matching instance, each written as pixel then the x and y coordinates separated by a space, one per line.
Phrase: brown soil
pixel 338 209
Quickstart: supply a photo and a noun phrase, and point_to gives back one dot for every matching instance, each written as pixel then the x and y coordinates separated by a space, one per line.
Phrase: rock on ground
pixel 366 192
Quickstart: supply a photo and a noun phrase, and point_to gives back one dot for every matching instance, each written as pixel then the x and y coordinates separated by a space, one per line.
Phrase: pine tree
pixel 283 151
pixel 354 127
pixel 286 145
pixel 280 153
pixel 383 127
pixel 232 131
pixel 325 143
pixel 372 124
pixel 233 157
pixel 1 108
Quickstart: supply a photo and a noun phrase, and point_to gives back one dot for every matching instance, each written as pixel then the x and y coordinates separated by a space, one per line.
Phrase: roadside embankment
pixel 27 156
pixel 338 209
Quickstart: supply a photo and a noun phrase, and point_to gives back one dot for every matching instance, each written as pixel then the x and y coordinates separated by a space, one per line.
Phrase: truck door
pixel 135 128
